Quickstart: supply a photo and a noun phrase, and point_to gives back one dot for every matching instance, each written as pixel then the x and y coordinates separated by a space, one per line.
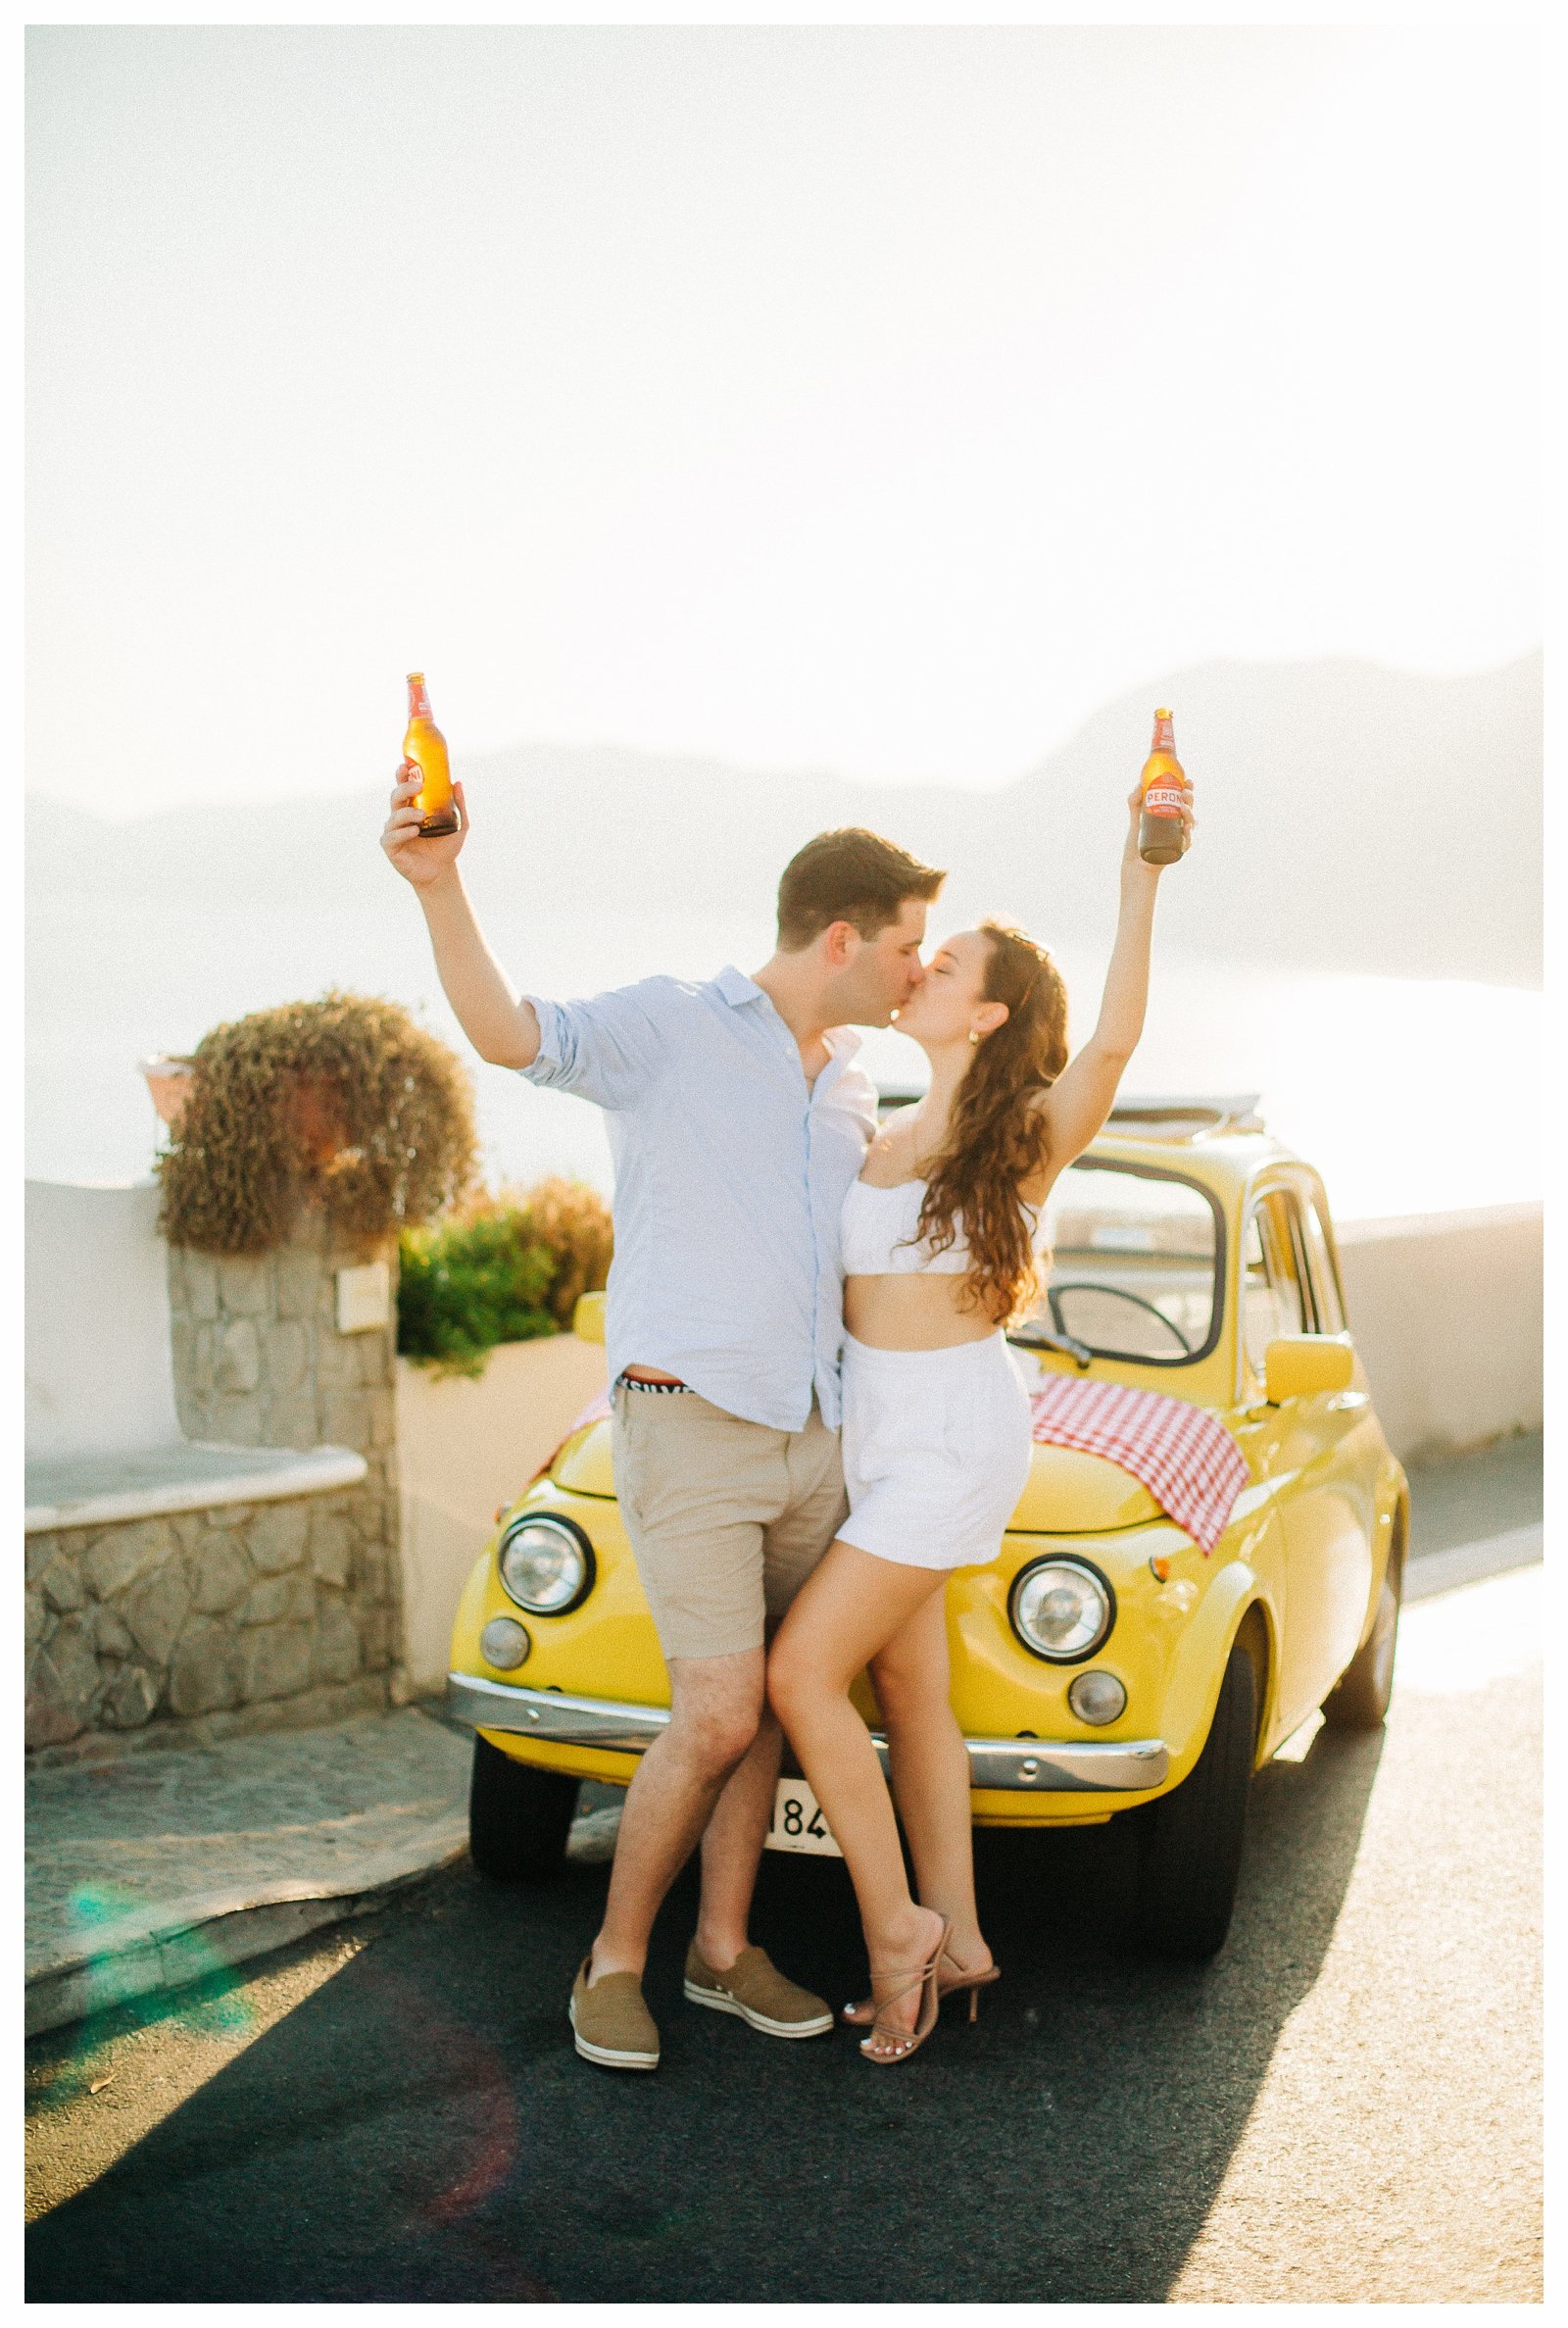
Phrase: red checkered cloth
pixel 1182 1454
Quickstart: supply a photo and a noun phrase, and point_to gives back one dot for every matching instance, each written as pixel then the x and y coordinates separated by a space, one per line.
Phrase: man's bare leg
pixel 716 1708
pixel 732 1849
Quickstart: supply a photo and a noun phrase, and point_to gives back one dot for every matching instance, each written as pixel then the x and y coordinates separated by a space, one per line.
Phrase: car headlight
pixel 546 1562
pixel 1096 1697
pixel 1062 1608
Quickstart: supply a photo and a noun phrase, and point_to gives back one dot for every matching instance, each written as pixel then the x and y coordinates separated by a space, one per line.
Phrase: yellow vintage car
pixel 1103 1666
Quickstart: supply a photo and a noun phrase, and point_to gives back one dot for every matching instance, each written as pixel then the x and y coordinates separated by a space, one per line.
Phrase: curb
pixel 1429 1573
pixel 144 1956
pixel 203 1937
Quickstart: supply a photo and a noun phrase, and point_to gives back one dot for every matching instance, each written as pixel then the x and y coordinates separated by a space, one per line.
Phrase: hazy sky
pixel 871 398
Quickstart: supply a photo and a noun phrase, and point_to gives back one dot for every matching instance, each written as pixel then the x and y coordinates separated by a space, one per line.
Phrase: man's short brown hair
pixel 852 875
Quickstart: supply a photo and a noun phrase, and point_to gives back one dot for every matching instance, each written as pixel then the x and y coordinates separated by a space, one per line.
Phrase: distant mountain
pixel 1353 819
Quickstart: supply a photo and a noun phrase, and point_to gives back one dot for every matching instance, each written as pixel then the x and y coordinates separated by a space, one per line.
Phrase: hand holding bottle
pixel 419 856
pixel 1133 856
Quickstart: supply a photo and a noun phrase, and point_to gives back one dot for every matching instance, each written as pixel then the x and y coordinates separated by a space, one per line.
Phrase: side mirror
pixel 1305 1366
pixel 588 1319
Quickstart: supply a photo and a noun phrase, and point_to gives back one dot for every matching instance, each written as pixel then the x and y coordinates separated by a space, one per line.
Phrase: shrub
pixel 506 1268
pixel 345 1100
pixel 573 1221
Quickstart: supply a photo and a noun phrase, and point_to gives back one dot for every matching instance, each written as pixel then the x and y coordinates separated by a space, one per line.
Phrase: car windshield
pixel 1135 1265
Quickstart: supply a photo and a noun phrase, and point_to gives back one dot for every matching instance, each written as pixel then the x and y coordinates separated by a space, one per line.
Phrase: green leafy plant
pixel 506 1267
pixel 346 1100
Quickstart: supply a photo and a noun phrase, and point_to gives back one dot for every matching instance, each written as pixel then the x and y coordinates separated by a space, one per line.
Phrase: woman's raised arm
pixel 1076 1105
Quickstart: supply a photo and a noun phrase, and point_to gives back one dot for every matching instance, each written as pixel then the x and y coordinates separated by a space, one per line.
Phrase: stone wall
pixel 238 1615
pixel 259 1361
pixel 245 1613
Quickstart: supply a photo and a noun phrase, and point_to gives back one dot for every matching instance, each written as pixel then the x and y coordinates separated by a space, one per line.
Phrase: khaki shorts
pixel 727 1518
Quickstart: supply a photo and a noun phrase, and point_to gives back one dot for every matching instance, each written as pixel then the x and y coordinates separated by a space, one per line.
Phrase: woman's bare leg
pixel 931 1772
pixel 844 1613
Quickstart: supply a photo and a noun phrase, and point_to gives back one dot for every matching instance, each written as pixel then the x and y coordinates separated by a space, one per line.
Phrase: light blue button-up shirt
pixel 730 1176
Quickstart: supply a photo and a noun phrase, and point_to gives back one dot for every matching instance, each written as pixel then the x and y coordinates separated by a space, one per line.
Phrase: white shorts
pixel 936 1450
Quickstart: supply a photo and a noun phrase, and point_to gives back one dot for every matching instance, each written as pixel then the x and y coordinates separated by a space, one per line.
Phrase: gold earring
pixel 973 1037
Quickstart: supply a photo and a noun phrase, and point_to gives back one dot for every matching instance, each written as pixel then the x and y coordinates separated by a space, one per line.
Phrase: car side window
pixel 1272 1301
pixel 1300 1263
pixel 1320 1271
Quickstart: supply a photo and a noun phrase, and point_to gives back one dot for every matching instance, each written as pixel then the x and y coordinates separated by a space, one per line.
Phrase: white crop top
pixel 878 1222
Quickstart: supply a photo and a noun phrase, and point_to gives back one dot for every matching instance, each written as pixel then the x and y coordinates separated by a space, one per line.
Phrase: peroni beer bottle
pixel 426 747
pixel 1159 826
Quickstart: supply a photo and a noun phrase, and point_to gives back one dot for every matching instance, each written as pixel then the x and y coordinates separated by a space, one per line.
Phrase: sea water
pixel 1408 1095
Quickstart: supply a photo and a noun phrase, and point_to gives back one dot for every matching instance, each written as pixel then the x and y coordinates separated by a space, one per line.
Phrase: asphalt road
pixel 1344 2106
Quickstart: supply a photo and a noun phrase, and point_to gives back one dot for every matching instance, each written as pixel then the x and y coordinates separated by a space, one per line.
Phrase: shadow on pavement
pixel 419 2129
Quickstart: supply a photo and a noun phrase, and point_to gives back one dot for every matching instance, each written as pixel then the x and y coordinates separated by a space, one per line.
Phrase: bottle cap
pixel 1162 715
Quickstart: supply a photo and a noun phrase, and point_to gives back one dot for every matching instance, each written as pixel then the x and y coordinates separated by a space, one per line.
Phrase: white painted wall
pixel 99 1375
pixel 464 1447
pixel 1447 1311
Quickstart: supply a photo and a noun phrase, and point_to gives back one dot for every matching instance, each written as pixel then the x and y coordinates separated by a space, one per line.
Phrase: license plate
pixel 798 1823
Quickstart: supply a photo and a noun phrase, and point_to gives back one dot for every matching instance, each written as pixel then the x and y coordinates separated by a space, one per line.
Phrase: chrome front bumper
pixel 1021 1765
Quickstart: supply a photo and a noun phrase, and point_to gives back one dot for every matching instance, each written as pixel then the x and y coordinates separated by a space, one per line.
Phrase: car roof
pixel 1220 1139
pixel 1224 1160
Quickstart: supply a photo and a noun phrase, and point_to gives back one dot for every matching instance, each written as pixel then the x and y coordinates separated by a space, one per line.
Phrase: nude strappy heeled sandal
pixel 905 2042
pixel 966 1984
pixel 960 1984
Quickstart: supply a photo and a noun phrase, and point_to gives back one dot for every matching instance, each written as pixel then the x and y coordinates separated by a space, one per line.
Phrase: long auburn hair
pixel 995 1137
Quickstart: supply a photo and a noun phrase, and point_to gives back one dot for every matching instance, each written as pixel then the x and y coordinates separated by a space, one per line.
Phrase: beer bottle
pixel 426 747
pixel 1159 826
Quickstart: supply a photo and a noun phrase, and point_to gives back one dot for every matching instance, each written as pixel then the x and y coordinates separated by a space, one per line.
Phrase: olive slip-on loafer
pixel 609 2022
pixel 757 1991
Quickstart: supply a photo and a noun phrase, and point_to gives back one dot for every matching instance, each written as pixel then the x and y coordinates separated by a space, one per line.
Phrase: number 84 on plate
pixel 798 1823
